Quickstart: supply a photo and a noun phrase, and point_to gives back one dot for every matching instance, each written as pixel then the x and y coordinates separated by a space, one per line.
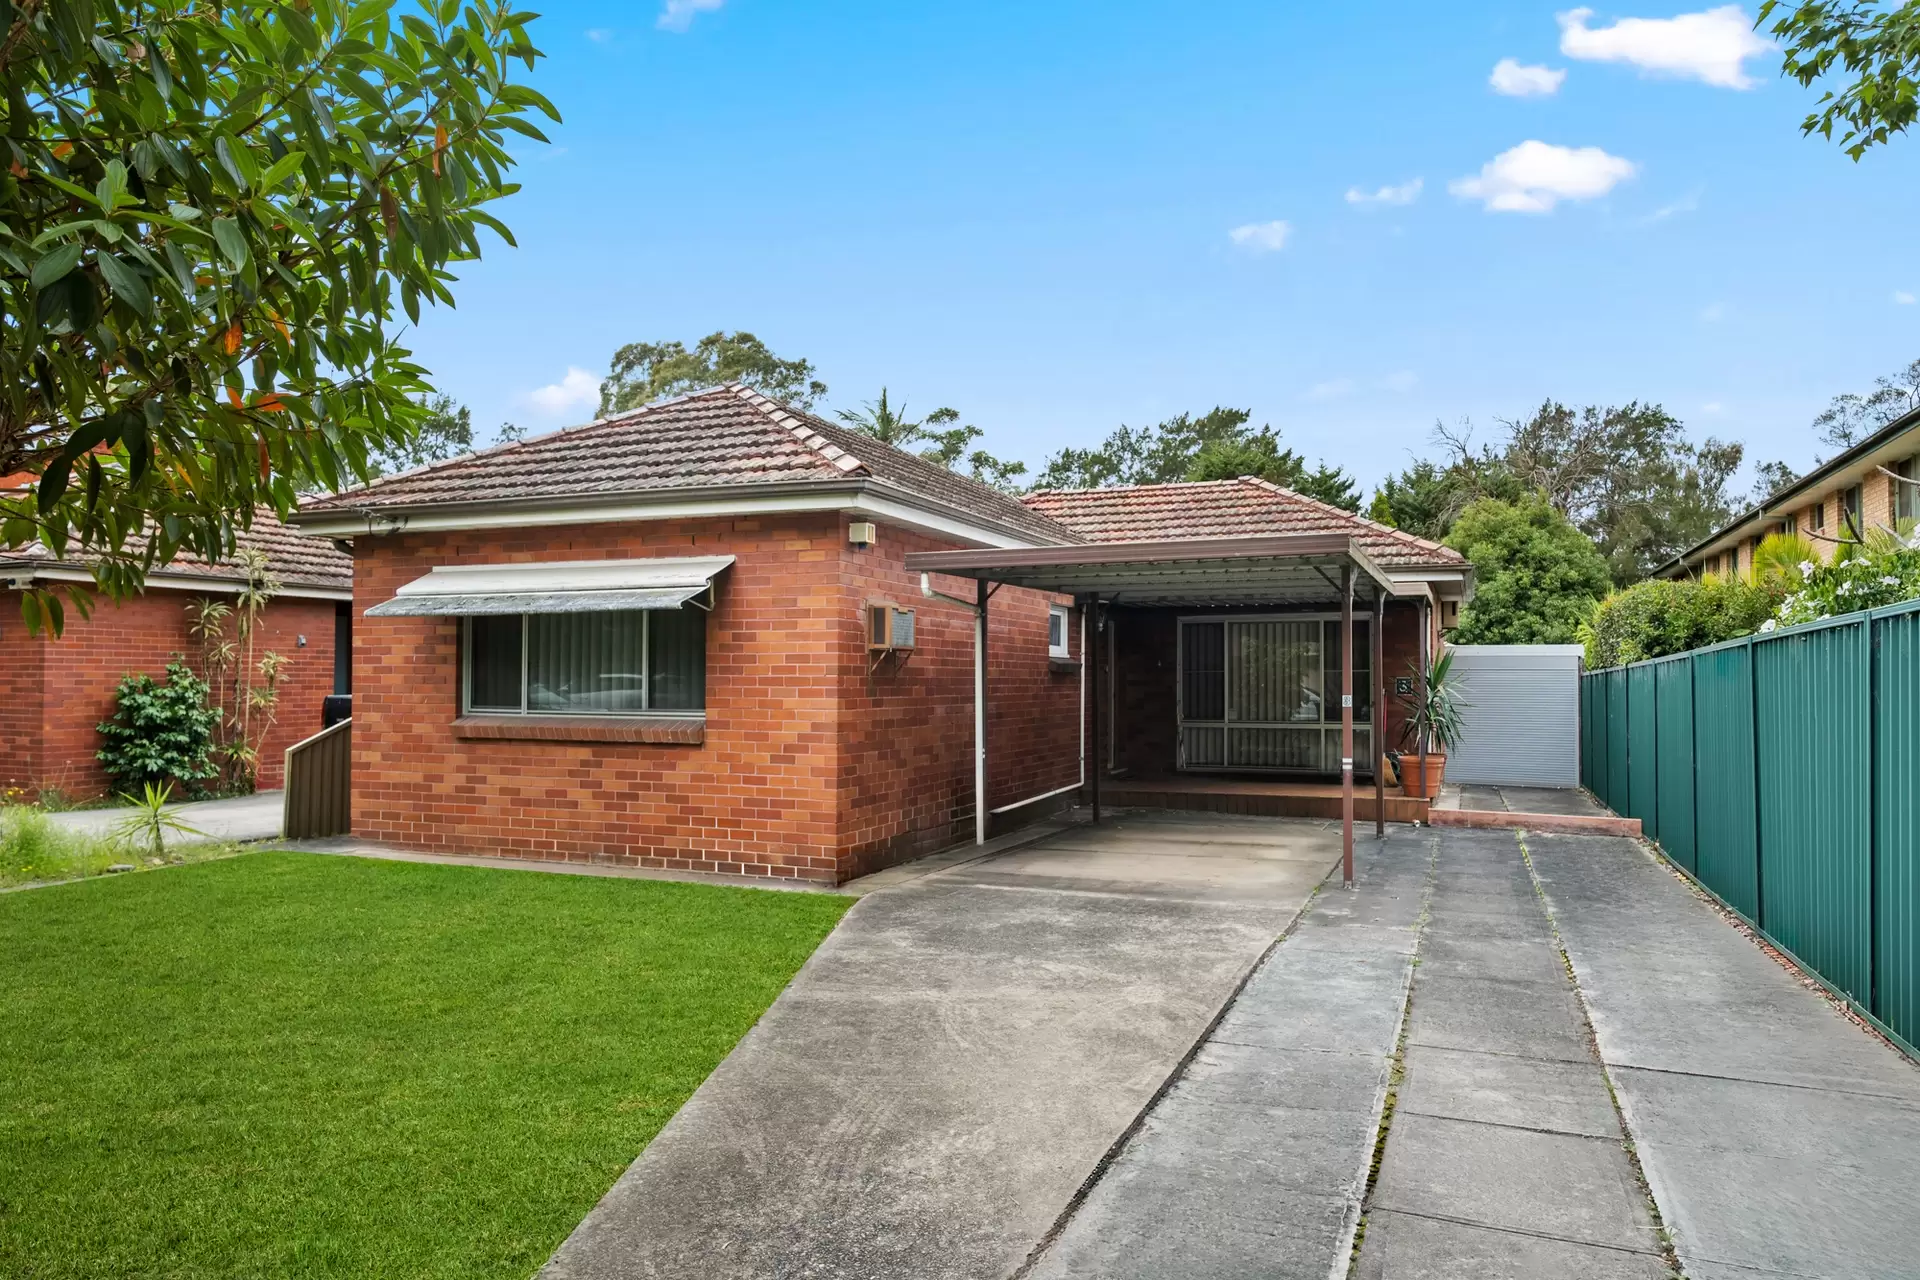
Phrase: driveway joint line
pixel 1520 1231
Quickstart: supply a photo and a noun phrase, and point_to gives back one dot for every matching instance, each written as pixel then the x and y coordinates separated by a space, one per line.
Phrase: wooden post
pixel 1379 712
pixel 1346 725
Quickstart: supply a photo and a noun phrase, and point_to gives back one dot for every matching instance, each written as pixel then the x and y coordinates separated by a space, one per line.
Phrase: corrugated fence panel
pixel 1642 748
pixel 1726 857
pixel 1586 732
pixel 1897 823
pixel 1811 709
pixel 1619 730
pixel 1673 692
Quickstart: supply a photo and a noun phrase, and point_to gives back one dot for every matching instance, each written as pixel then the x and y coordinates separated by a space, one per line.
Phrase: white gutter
pixel 862 499
pixel 174 582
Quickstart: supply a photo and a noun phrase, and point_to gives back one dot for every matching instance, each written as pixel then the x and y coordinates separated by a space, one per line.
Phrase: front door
pixel 1264 693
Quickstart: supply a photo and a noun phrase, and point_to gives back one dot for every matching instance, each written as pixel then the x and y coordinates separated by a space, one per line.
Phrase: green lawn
pixel 301 1065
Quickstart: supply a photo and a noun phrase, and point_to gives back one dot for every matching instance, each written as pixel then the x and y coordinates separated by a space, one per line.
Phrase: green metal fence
pixel 1782 772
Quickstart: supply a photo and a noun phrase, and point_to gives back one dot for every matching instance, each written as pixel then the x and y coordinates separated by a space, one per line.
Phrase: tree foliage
pixel 1626 476
pixel 1536 577
pixel 1217 445
pixel 1871 51
pixel 445 430
pixel 1848 419
pixel 643 372
pixel 211 216
pixel 1662 616
pixel 946 437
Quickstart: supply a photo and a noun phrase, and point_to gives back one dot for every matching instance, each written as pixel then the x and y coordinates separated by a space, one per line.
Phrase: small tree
pixel 245 684
pixel 161 731
pixel 1537 577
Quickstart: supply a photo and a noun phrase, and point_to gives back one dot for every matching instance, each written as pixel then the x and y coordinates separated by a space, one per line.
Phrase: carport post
pixel 1379 712
pixel 1346 724
pixel 1092 660
pixel 980 814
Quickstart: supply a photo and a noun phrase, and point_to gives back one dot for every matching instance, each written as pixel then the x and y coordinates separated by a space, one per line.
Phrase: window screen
pixel 625 662
pixel 1906 497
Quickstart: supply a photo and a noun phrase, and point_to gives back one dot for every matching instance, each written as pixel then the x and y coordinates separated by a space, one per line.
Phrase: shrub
pixel 161 731
pixel 1881 574
pixel 1657 617
pixel 1536 577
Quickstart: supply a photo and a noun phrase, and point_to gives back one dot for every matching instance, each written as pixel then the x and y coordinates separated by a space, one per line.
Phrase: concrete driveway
pixel 953 1065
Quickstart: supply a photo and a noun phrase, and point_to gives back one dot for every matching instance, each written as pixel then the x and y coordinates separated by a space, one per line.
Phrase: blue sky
pixel 1028 212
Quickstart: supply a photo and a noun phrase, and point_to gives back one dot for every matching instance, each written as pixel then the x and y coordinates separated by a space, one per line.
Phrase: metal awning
pixel 1284 569
pixel 564 586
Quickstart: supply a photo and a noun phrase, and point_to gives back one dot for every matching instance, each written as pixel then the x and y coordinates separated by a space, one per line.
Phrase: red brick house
pixel 54 691
pixel 691 636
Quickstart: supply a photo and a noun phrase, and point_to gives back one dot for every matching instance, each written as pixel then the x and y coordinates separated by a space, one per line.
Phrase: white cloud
pixel 1902 298
pixel 1402 380
pixel 1712 46
pixel 1332 389
pixel 1262 237
pixel 578 390
pixel 599 35
pixel 1518 81
pixel 1713 313
pixel 1535 176
pixel 1405 193
pixel 678 15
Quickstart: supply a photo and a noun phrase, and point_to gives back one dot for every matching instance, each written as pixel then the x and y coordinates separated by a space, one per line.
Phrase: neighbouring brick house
pixel 686 636
pixel 54 691
pixel 1873 485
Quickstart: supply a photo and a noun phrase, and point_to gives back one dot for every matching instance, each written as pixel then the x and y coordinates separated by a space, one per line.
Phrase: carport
pixel 1291 571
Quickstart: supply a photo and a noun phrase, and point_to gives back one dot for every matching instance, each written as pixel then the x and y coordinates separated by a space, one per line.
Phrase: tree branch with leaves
pixel 211 220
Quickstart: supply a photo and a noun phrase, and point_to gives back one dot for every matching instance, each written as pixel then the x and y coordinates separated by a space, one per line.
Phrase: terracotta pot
pixel 1410 774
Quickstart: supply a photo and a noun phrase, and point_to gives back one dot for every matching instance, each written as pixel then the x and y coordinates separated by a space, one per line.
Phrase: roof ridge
pixel 1130 488
pixel 1324 505
pixel 802 430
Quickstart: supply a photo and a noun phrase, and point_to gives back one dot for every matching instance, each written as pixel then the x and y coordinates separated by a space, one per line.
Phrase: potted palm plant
pixel 1435 717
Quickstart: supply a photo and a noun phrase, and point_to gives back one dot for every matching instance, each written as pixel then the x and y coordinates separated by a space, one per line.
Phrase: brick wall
pixel 1142 702
pixel 811 765
pixel 907 765
pixel 65 686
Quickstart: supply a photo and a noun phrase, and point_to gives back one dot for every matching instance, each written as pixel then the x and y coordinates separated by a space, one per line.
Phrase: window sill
pixel 688 731
pixel 1063 666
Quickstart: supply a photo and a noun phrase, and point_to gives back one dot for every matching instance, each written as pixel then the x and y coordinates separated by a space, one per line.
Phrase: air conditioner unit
pixel 889 628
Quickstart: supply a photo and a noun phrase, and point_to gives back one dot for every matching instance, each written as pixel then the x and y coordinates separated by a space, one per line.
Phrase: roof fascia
pixel 178 582
pixel 858 495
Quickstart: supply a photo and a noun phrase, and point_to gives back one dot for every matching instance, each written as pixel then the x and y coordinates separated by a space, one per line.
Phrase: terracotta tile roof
pixel 1226 509
pixel 728 435
pixel 297 559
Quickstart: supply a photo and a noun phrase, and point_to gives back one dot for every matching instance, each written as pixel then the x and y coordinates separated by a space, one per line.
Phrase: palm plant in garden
pixel 146 828
pixel 1435 719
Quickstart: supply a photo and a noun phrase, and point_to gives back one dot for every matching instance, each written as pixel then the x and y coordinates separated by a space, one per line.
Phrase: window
pixel 1057 644
pixel 1906 496
pixel 1850 522
pixel 1819 518
pixel 1263 692
pixel 618 663
pixel 1790 526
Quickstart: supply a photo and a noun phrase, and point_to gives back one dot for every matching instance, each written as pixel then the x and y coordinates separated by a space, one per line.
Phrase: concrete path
pixel 1255 1161
pixel 1504 1156
pixel 1561 800
pixel 953 1064
pixel 1779 1138
pixel 254 817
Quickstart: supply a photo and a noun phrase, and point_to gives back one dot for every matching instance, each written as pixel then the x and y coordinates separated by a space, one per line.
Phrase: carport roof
pixel 1287 569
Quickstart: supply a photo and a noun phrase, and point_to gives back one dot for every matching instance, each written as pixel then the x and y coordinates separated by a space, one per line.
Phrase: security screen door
pixel 1264 693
